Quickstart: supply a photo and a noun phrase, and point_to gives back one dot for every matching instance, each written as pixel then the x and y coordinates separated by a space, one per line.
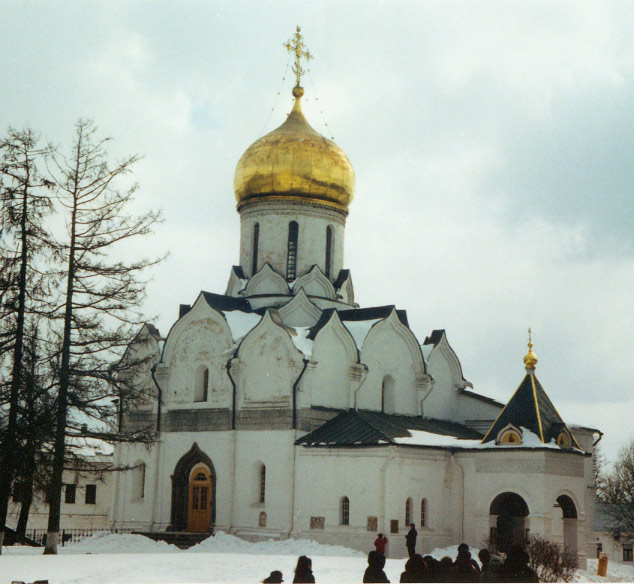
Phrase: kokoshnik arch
pixel 285 409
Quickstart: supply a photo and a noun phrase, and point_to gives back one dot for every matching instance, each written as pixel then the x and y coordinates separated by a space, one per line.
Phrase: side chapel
pixel 285 409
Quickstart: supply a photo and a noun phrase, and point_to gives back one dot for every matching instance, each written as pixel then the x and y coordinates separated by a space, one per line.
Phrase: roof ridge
pixel 373 426
pixel 539 416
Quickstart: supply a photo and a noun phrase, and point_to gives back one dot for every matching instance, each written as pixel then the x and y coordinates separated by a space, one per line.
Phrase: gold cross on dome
pixel 530 340
pixel 297 46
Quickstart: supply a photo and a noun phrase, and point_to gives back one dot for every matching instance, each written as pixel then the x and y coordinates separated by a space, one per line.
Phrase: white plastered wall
pixel 269 365
pixel 328 383
pixel 233 455
pixel 201 337
pixel 388 351
pixel 538 476
pixel 378 482
pixel 77 515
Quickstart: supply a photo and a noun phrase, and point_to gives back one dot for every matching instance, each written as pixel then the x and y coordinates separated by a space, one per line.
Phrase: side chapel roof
pixel 530 408
pixel 369 428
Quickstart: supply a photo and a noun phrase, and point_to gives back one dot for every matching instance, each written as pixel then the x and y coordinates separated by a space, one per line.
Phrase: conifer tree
pixel 24 202
pixel 102 291
pixel 35 427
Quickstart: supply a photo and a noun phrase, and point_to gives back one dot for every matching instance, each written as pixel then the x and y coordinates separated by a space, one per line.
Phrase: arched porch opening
pixel 193 493
pixel 565 522
pixel 508 521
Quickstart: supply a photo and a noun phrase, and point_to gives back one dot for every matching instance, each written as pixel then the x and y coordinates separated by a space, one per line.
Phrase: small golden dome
pixel 530 359
pixel 294 162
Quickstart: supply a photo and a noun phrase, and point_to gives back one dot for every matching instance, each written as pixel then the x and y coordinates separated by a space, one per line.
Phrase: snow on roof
pixel 530 440
pixel 301 340
pixel 360 328
pixel 86 446
pixel 240 323
pixel 426 350
pixel 421 438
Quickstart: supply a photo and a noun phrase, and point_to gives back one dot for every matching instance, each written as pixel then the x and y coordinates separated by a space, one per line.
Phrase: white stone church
pixel 285 409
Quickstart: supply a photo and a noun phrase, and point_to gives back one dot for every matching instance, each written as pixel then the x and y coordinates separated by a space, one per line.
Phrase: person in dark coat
pixel 488 571
pixel 463 547
pixel 380 543
pixel 275 577
pixel 431 569
pixel 465 570
pixel 374 572
pixel 304 571
pixel 516 568
pixel 410 540
pixel 414 570
pixel 446 571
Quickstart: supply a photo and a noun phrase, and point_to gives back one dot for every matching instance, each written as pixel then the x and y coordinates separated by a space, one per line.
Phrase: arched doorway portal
pixel 508 514
pixel 568 518
pixel 193 493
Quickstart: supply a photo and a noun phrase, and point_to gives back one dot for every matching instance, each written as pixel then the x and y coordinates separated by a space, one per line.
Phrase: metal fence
pixel 68 536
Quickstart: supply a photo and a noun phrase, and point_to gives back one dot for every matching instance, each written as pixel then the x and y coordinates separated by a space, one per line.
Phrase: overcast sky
pixel 493 145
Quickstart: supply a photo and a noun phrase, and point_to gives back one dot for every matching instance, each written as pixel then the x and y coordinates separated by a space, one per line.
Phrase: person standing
pixel 410 540
pixel 304 571
pixel 379 544
pixel 374 572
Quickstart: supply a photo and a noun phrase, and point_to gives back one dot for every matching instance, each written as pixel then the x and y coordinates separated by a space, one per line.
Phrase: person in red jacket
pixel 380 543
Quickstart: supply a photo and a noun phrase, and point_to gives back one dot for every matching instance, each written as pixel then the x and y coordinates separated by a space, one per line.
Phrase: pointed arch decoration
pixel 315 283
pixel 266 281
pixel 300 311
pixel 180 487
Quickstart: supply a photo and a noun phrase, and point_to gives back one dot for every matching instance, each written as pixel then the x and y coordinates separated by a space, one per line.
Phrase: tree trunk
pixel 9 447
pixel 55 506
pixel 29 479
pixel 23 519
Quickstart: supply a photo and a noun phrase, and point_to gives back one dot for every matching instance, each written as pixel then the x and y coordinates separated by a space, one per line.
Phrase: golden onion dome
pixel 530 359
pixel 295 163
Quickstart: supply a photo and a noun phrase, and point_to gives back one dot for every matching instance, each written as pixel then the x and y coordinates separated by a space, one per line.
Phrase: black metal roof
pixel 531 408
pixel 482 398
pixel 222 302
pixel 373 312
pixel 341 278
pixel 355 315
pixel 435 337
pixel 239 272
pixel 368 428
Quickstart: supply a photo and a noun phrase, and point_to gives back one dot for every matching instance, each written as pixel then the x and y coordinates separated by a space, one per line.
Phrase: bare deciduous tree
pixel 618 492
pixel 102 295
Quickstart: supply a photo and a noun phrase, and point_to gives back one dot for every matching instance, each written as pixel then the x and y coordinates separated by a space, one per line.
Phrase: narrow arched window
pixel 423 512
pixel 201 384
pixel 408 511
pixel 256 242
pixel 138 481
pixel 387 395
pixel 328 264
pixel 262 484
pixel 291 258
pixel 344 511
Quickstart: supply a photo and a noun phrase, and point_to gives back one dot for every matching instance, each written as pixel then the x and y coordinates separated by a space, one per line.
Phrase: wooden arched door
pixel 200 499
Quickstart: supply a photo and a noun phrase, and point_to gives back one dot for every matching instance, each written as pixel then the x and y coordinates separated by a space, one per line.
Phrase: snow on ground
pixel 226 543
pixel 109 559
